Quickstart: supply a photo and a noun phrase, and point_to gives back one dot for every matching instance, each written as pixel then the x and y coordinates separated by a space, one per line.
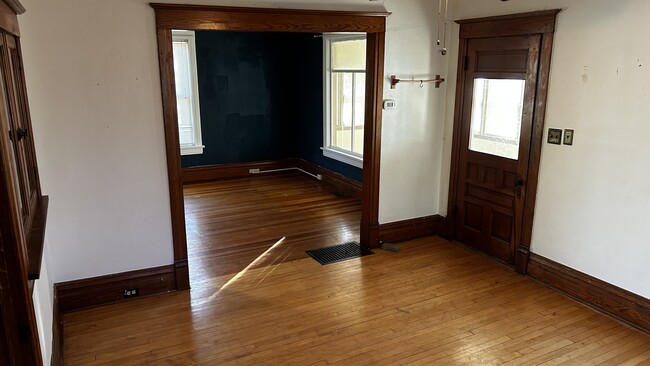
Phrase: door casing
pixel 198 17
pixel 536 23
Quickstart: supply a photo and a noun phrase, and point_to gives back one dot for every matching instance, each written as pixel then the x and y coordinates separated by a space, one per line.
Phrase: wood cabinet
pixel 23 208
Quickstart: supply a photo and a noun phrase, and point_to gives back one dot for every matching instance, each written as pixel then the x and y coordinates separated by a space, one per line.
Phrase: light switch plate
pixel 568 137
pixel 554 136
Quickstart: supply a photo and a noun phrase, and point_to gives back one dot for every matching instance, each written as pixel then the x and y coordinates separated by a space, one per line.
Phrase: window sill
pixel 343 157
pixel 192 150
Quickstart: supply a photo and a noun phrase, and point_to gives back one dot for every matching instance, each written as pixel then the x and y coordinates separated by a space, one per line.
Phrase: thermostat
pixel 390 104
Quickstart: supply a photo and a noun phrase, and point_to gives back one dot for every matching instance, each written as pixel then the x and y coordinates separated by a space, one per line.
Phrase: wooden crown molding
pixel 16 6
pixel 537 22
pixel 201 17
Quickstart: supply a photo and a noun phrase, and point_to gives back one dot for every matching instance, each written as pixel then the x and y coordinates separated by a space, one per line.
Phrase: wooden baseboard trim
pixel 612 300
pixel 207 173
pixel 411 229
pixel 75 295
pixel 57 331
pixel 344 185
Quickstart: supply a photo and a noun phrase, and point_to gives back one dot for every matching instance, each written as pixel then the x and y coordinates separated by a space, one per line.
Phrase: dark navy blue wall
pixel 310 109
pixel 261 97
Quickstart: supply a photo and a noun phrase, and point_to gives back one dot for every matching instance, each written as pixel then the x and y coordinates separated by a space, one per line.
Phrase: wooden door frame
pixel 196 17
pixel 535 23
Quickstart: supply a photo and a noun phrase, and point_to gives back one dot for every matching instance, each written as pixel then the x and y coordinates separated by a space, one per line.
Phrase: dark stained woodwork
pixel 36 240
pixel 234 223
pixel 20 195
pixel 8 19
pixel 509 25
pixel 222 18
pixel 375 47
pixel 173 151
pixel 96 291
pixel 488 209
pixel 433 303
pixel 57 331
pixel 170 17
pixel 410 229
pixel 206 173
pixel 615 301
pixel 344 186
pixel 535 152
pixel 536 23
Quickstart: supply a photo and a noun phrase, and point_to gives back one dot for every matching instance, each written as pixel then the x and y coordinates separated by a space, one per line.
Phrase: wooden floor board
pixel 433 303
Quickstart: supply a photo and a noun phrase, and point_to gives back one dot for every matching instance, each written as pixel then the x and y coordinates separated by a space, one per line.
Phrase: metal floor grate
pixel 338 253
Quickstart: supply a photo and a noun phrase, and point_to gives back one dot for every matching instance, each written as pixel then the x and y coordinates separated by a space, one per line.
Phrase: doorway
pixel 502 80
pixel 190 17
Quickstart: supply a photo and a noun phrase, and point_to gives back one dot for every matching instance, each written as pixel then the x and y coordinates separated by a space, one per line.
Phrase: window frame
pixel 333 152
pixel 189 37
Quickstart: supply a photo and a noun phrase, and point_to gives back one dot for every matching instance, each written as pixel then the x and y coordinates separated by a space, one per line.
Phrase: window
pixel 345 86
pixel 497 110
pixel 187 92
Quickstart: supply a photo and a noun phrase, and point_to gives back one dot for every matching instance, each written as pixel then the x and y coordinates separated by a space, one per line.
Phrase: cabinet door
pixel 20 127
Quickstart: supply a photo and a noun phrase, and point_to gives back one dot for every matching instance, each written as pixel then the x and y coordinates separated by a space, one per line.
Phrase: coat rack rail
pixel 394 80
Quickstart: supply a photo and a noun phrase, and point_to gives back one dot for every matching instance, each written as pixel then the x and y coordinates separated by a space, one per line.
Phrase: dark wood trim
pixel 90 292
pixel 15 6
pixel 410 229
pixel 542 23
pixel 272 20
pixel 610 299
pixel 537 140
pixel 509 25
pixel 207 173
pixel 344 185
pixel 8 18
pixel 36 239
pixel 173 150
pixel 199 17
pixel 57 331
pixel 375 46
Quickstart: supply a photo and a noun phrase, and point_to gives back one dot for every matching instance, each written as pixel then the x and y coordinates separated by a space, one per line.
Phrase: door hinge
pixel 466 63
pixel 24 332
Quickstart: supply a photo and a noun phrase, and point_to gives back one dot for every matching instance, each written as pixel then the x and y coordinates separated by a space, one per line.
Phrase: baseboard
pixel 615 301
pixel 344 185
pixel 411 229
pixel 57 331
pixel 75 295
pixel 206 173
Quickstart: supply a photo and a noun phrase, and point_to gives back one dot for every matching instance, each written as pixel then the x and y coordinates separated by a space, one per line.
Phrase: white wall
pixel 93 84
pixel 411 134
pixel 593 197
pixel 43 307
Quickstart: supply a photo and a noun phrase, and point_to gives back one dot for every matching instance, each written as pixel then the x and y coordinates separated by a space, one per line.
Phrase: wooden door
pixel 498 104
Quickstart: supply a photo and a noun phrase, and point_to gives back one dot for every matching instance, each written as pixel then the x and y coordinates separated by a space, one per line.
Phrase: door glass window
pixel 497 108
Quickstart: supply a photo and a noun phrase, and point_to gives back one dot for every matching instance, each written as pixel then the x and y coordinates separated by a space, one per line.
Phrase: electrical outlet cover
pixel 554 136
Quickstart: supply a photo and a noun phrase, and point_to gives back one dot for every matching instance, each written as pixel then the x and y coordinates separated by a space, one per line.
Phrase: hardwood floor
pixel 232 224
pixel 433 303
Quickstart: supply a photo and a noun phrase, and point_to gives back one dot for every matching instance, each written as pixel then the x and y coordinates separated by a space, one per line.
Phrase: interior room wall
pixel 594 196
pixel 308 106
pixel 412 133
pixel 94 88
pixel 244 86
pixel 261 98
